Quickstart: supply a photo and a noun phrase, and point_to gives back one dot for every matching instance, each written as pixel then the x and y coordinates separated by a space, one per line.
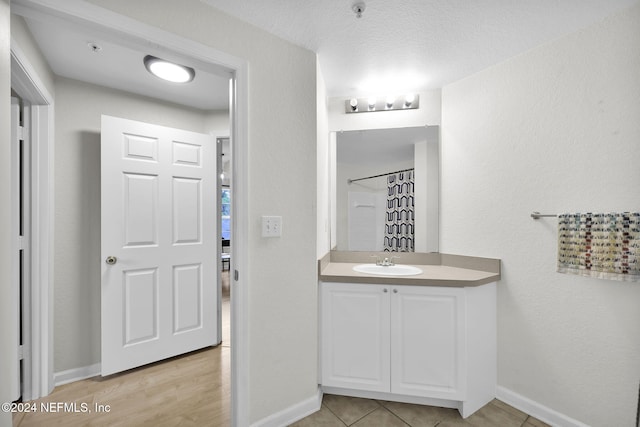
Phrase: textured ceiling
pixel 408 45
pixel 396 47
pixel 119 65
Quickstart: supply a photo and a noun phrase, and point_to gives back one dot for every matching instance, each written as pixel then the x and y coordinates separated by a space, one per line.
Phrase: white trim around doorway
pixel 132 30
pixel 38 311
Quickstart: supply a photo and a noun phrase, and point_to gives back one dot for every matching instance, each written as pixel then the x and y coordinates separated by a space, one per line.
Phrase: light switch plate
pixel 271 226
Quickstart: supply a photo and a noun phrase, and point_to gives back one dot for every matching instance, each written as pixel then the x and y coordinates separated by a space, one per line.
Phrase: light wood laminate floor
pixel 188 390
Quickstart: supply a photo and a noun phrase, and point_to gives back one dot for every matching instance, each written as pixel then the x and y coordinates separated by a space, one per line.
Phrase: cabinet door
pixel 427 342
pixel 355 336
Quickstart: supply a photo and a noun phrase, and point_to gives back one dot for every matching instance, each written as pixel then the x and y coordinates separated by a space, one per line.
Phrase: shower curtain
pixel 398 236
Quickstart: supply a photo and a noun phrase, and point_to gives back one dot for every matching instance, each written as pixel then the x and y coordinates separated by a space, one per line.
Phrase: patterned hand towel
pixel 606 246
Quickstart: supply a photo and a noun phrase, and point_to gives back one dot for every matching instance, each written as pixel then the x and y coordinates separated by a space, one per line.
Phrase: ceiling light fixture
pixel 168 71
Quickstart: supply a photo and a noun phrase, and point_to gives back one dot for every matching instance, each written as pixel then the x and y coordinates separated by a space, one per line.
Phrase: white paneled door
pixel 159 243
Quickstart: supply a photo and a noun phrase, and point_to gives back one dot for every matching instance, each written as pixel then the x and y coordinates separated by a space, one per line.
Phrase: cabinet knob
pixel 385 290
pixel 395 291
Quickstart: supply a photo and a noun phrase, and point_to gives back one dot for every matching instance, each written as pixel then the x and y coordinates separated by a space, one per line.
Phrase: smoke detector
pixel 94 47
pixel 358 8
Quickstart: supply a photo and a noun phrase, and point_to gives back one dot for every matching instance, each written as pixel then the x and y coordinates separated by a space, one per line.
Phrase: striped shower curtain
pixel 398 236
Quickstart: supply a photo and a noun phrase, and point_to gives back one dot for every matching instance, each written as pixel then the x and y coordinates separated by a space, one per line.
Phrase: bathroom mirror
pixel 373 172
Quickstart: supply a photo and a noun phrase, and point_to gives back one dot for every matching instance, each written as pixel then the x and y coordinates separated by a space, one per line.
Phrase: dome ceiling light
pixel 168 71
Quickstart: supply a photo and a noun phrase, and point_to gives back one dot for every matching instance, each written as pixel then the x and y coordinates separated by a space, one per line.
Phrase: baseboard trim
pixel 536 409
pixel 76 374
pixel 293 413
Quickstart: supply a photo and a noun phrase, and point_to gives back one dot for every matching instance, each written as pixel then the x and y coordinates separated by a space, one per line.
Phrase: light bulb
pixel 372 103
pixel 354 104
pixel 408 100
pixel 390 101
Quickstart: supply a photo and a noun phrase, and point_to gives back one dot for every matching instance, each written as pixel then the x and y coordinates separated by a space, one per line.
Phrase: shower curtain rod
pixel 349 181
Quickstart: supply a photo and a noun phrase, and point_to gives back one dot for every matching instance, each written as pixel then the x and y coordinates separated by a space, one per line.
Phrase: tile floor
pixel 341 411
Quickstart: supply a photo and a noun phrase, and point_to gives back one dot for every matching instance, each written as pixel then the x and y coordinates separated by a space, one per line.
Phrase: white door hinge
pixel 21 352
pixel 23 133
pixel 20 243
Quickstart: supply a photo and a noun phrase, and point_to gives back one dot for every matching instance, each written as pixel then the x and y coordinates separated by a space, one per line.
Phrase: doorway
pixel 225 233
pixel 34 261
pixel 238 111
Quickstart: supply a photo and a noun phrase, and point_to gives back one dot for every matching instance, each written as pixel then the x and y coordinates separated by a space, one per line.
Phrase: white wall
pixel 79 107
pixel 555 129
pixel 281 273
pixel 218 123
pixel 5 208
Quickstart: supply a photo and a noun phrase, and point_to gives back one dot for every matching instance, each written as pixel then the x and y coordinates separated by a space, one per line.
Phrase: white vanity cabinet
pixel 409 343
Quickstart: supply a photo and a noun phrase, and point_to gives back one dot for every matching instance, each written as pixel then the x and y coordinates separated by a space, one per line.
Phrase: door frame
pixel 131 30
pixel 38 309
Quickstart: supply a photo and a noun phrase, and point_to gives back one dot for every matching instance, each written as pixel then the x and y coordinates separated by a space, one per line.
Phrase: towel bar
pixel 538 215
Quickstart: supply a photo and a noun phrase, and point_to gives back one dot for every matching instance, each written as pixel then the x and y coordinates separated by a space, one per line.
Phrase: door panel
pixel 159 207
pixel 427 341
pixel 187 288
pixel 141 308
pixel 187 215
pixel 355 336
pixel 140 209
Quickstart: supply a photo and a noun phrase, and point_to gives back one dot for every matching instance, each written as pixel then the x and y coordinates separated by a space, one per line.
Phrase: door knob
pixel 111 260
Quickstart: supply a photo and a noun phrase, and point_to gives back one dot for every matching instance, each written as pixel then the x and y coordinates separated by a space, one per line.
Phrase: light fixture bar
pixel 382 103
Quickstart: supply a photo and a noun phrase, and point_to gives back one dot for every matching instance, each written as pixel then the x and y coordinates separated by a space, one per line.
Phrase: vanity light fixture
pixel 388 103
pixel 168 71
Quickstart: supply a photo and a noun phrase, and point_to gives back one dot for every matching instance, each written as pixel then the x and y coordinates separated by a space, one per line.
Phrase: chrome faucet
pixel 386 261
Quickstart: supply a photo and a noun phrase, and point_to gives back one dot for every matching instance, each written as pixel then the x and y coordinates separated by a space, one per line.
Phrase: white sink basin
pixel 390 270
